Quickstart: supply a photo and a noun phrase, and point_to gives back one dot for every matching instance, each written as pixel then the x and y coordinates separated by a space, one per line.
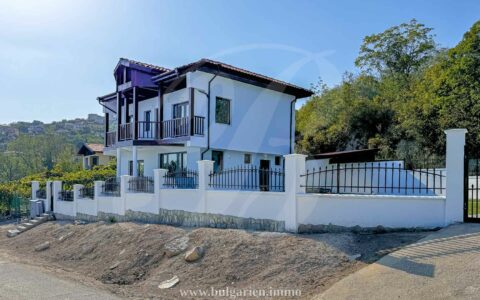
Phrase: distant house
pixel 93 156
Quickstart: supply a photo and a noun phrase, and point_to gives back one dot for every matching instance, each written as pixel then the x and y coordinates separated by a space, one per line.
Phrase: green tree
pixel 399 50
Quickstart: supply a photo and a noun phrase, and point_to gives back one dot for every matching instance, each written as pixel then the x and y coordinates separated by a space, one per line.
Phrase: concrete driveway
pixel 444 265
pixel 18 281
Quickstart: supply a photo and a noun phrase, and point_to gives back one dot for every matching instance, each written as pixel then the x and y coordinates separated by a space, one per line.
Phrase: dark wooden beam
pixel 107 124
pixel 119 115
pixel 160 111
pixel 135 114
pixel 192 110
pixel 127 110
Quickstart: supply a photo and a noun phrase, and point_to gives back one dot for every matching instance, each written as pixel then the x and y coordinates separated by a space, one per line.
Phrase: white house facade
pixel 206 110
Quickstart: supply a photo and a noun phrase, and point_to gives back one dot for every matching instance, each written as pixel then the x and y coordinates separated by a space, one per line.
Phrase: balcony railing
pixel 151 130
pixel 111 138
pixel 126 132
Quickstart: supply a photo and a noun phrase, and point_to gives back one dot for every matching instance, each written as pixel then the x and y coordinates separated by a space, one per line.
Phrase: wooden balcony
pixel 158 131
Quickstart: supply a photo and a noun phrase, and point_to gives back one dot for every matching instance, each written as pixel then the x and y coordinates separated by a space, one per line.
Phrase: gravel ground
pixel 131 260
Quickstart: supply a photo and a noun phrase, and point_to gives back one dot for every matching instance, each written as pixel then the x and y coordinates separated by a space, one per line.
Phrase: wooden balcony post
pixel 192 111
pixel 107 124
pixel 119 115
pixel 135 114
pixel 160 111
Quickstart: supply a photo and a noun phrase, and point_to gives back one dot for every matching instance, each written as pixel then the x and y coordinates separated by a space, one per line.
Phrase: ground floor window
pixel 278 160
pixel 217 157
pixel 94 161
pixel 140 168
pixel 173 161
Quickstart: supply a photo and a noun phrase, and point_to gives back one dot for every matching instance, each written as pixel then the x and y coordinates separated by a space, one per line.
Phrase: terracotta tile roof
pixel 227 66
pixel 95 147
pixel 154 67
pixel 269 81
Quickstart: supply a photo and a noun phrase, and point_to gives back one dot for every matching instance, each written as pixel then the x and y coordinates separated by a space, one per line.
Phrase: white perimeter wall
pixel 86 206
pixel 65 207
pixel 112 205
pixel 259 205
pixel 371 211
pixel 142 202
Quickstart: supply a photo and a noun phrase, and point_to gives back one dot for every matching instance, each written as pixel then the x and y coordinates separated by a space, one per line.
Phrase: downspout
pixel 292 107
pixel 208 114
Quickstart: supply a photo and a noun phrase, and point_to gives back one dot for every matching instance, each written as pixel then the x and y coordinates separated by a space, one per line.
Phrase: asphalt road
pixel 18 281
pixel 444 265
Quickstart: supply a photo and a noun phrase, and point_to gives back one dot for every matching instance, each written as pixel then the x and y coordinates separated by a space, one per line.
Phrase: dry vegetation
pixel 132 259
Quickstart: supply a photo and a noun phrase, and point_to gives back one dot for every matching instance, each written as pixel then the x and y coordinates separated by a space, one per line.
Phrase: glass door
pixel 180 116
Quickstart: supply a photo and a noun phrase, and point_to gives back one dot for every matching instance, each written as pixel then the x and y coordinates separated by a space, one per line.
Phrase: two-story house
pixel 162 118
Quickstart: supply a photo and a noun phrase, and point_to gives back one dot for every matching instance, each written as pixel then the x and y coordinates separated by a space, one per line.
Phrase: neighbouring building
pixel 92 155
pixel 206 110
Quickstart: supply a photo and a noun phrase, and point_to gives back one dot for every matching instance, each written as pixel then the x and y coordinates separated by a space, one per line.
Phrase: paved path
pixel 18 281
pixel 444 265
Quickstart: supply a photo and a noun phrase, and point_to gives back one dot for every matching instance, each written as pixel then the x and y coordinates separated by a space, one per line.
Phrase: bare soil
pixel 131 260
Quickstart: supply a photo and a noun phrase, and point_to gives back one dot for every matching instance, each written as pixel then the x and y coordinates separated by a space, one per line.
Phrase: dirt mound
pixel 132 259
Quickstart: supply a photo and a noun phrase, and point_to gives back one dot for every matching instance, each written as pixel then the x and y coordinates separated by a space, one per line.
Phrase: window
pixel 247 158
pixel 94 161
pixel 217 157
pixel 173 161
pixel 147 120
pixel 278 160
pixel 140 168
pixel 222 111
pixel 180 110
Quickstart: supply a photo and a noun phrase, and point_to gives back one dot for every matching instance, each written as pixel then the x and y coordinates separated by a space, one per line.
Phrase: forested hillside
pixel 407 91
pixel 30 148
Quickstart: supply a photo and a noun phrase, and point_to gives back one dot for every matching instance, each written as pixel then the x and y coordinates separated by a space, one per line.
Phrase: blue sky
pixel 57 56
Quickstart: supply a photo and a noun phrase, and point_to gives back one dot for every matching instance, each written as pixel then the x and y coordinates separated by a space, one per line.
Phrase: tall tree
pixel 399 50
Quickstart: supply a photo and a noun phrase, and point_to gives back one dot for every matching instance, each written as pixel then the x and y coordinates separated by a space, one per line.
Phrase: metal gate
pixel 13 206
pixel 471 207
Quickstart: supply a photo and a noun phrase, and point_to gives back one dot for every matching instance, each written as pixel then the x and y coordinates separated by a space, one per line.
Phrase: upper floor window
pixel 147 120
pixel 180 110
pixel 222 111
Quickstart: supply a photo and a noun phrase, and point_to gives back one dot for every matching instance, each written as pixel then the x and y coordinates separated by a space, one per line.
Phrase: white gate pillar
pixel 35 188
pixel 205 167
pixel 294 167
pixel 455 162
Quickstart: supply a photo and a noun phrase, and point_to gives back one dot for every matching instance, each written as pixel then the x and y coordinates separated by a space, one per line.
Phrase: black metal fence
pixel 249 178
pixel 472 190
pixel 41 193
pixel 87 192
pixel 382 178
pixel 111 187
pixel 141 184
pixel 65 195
pixel 183 179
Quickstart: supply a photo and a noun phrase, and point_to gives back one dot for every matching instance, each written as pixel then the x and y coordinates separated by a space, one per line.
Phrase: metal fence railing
pixel 87 192
pixel 141 184
pixel 111 187
pixel 65 195
pixel 248 178
pixel 184 179
pixel 374 178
